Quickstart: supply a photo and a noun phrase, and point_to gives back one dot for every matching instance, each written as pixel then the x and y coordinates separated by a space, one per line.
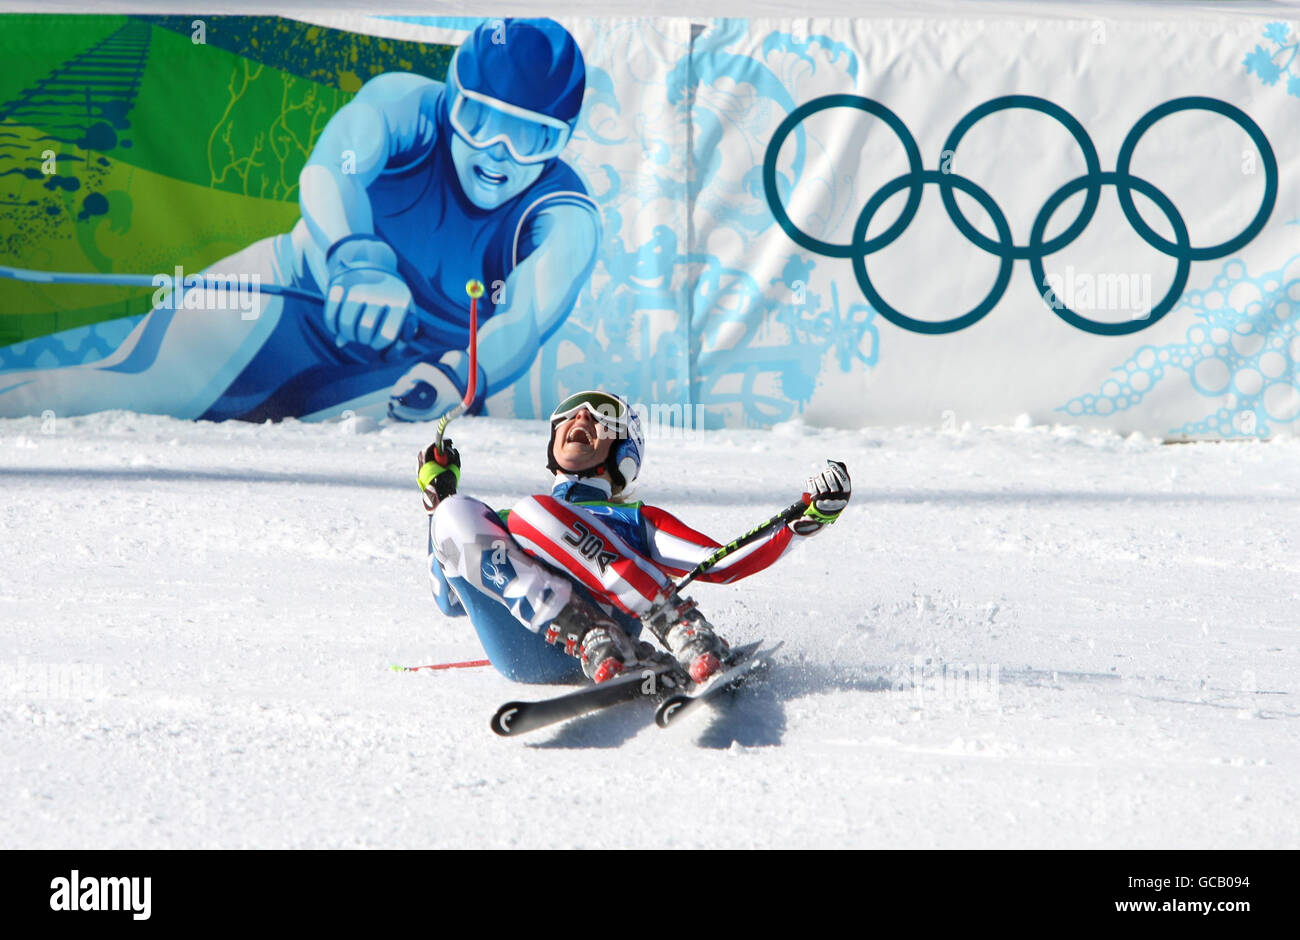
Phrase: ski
pixel 514 718
pixel 750 662
pixel 653 681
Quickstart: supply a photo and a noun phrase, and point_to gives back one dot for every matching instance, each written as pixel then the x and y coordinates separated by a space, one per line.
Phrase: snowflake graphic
pixel 1270 65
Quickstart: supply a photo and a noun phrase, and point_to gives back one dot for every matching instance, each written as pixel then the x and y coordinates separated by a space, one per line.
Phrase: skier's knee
pixel 460 518
pixel 455 508
pixel 540 672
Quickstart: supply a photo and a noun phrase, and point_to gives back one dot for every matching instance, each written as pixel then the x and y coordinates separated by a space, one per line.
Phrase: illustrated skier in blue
pixel 413 188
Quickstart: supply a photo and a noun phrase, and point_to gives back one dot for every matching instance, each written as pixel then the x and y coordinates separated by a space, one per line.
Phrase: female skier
pixel 571 578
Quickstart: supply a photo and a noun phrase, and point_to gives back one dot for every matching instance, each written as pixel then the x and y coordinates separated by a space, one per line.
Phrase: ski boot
pixel 597 641
pixel 679 625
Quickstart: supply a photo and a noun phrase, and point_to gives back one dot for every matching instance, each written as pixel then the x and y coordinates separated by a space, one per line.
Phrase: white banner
pixel 1080 220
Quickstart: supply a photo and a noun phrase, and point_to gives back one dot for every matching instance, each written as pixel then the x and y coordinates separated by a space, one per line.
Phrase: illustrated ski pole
pixel 475 290
pixel 206 281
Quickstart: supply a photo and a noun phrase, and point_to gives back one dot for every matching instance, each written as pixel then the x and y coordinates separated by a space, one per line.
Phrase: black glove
pixel 439 473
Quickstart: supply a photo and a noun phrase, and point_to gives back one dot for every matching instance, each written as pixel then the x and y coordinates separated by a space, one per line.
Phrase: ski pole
pixel 209 282
pixel 475 290
pixel 467 664
pixel 789 514
pixel 206 281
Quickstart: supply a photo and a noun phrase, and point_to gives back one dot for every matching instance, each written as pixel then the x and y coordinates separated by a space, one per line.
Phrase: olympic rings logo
pixel 915 180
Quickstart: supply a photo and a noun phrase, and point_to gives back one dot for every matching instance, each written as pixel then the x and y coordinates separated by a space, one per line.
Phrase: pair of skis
pixel 662 684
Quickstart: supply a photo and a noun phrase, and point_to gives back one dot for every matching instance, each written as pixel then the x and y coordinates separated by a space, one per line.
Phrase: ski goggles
pixel 483 121
pixel 609 410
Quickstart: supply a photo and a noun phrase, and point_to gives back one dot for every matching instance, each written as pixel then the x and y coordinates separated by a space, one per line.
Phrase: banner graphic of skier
pixel 850 221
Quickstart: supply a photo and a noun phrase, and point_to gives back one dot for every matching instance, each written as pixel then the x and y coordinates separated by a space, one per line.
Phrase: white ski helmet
pixel 613 411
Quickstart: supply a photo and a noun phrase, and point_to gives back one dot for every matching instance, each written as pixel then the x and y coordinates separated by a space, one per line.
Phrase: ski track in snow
pixel 245 589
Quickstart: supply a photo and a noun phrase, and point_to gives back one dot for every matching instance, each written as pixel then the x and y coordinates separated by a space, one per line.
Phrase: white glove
pixel 826 493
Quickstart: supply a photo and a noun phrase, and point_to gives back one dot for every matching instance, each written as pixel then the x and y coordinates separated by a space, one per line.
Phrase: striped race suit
pixel 513 572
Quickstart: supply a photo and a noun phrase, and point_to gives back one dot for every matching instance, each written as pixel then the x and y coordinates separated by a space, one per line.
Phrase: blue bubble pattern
pixel 1242 353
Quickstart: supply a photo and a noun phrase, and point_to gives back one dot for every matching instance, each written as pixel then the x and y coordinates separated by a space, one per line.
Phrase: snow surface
pixel 244 590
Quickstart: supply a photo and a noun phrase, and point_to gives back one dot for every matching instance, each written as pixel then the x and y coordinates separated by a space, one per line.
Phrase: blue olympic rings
pixel 1003 247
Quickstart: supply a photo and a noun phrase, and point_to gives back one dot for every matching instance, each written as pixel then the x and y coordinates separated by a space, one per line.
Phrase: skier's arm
pixel 678 548
pixel 438 474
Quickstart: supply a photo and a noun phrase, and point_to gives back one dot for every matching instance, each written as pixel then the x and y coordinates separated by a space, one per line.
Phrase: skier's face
pixel 581 442
pixel 489 177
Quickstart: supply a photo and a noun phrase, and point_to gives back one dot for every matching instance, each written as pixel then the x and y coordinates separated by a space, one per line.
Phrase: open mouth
pixel 492 179
pixel 579 436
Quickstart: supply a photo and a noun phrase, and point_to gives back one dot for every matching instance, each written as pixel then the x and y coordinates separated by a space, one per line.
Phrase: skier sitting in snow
pixel 577 574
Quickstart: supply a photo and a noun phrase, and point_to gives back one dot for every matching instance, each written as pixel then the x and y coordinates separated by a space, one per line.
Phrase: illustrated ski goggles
pixel 609 411
pixel 483 121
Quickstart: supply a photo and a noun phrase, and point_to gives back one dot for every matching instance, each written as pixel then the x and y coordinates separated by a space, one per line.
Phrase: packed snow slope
pixel 1127 611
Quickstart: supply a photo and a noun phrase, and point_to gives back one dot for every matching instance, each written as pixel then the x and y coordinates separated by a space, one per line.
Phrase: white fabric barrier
pixel 976 213
pixel 1017 281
